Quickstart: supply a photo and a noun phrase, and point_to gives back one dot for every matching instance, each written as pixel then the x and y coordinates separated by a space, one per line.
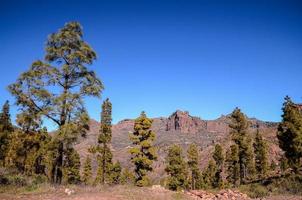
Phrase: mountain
pixel 179 128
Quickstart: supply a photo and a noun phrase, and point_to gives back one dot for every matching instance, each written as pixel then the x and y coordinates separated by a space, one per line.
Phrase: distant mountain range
pixel 179 128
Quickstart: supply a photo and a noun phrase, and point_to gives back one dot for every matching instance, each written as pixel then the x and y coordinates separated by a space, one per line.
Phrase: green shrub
pixel 31 187
pixel 258 191
pixel 39 179
pixel 255 190
pixel 291 184
pixel 17 180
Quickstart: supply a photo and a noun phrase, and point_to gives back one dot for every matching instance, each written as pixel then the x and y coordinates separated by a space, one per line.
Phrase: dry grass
pixel 47 192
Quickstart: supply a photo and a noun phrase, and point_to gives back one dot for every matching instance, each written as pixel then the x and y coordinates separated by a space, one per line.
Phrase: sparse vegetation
pixel 31 157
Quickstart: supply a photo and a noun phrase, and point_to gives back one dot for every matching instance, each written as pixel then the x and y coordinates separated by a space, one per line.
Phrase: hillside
pixel 179 128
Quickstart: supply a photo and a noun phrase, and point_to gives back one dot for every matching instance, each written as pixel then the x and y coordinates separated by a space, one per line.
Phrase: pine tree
pixel 5 121
pixel 290 134
pixel 273 165
pixel 232 165
pixel 87 171
pixel 26 146
pixel 193 162
pixel 25 151
pixel 15 152
pixel 127 176
pixel 239 132
pixel 176 168
pixel 54 88
pixel 115 173
pixel 218 156
pixel 143 153
pixel 261 160
pixel 99 172
pixel 71 167
pixel 104 140
pixel 6 128
pixel 283 164
pixel 59 148
pixel 209 174
pixel 34 146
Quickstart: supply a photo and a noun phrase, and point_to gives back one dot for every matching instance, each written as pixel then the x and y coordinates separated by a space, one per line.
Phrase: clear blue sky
pixel 206 57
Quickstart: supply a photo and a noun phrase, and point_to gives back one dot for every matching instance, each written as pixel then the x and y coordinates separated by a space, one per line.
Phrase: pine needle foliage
pixel 87 172
pixel 6 129
pixel 218 157
pixel 143 153
pixel 290 134
pixel 239 132
pixel 176 169
pixel 232 165
pixel 104 140
pixel 193 164
pixel 261 157
pixel 54 89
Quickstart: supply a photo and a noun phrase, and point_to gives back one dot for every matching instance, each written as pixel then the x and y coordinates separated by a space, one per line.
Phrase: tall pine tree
pixel 143 153
pixel 54 89
pixel 104 140
pixel 176 168
pixel 261 160
pixel 209 174
pixel 193 162
pixel 290 133
pixel 239 131
pixel 6 128
pixel 218 156
pixel 232 165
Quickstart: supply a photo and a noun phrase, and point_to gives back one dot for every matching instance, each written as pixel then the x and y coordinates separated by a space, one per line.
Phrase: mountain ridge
pixel 178 128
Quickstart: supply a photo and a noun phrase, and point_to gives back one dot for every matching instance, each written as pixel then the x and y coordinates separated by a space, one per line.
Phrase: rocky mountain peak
pixel 183 122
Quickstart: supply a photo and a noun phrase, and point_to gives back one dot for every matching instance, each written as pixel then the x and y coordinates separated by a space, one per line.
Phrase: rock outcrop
pixel 183 122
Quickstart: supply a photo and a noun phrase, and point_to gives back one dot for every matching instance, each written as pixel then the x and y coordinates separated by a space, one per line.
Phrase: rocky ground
pixel 221 195
pixel 128 192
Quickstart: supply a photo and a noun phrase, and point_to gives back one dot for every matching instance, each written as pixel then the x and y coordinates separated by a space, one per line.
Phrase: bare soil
pixel 95 193
pixel 107 193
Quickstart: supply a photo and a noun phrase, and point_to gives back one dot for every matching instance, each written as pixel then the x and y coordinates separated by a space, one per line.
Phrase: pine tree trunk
pixel 104 163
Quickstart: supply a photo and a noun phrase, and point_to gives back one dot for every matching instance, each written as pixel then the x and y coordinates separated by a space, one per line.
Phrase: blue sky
pixel 203 56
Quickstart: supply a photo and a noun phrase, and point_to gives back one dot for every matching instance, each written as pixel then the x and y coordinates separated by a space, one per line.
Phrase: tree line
pixel 54 89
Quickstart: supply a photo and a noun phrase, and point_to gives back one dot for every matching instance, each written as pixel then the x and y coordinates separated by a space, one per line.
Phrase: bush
pixel 291 184
pixel 31 188
pixel 255 190
pixel 17 180
pixel 39 179
pixel 258 191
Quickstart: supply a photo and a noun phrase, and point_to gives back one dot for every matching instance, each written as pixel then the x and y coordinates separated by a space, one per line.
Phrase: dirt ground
pixel 92 193
pixel 107 193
